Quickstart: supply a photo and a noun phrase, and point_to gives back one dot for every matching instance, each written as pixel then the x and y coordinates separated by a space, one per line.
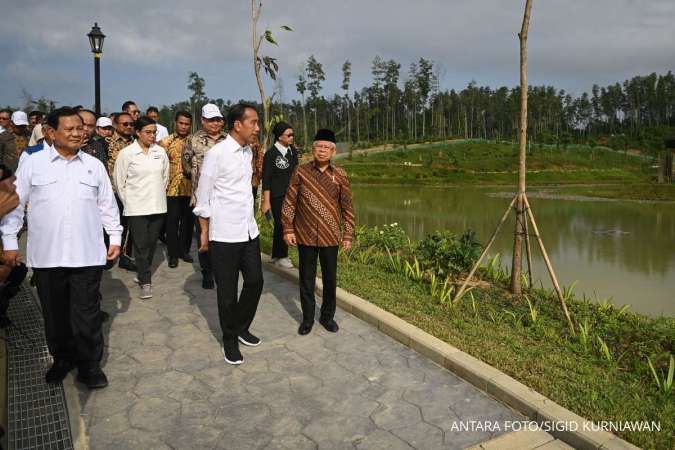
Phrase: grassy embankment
pixel 578 170
pixel 531 341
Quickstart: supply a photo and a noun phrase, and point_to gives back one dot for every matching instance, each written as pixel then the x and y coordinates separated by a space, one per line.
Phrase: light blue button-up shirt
pixel 70 202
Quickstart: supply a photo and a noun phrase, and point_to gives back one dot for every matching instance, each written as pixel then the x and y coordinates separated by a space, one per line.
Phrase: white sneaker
pixel 274 260
pixel 136 280
pixel 285 263
pixel 146 291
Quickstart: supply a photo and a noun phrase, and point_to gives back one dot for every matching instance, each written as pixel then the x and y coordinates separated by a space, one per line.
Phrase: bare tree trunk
pixel 516 287
pixel 257 40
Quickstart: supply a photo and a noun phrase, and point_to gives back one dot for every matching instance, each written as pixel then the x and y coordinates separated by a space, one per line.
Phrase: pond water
pixel 614 249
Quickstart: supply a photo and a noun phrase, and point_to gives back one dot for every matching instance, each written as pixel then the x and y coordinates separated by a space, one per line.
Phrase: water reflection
pixel 623 250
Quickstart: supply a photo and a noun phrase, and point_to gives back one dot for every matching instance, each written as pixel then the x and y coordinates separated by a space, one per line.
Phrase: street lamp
pixel 96 38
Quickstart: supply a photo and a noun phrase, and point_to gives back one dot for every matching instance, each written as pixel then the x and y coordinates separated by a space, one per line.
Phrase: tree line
pixel 637 112
pixel 412 107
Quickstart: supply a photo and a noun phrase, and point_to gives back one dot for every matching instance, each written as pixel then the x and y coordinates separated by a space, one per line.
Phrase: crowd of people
pixel 94 191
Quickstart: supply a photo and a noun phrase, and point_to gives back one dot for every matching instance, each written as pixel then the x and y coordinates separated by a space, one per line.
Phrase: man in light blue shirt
pixel 71 202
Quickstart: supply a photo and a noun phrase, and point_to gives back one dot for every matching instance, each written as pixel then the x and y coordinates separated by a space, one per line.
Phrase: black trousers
pixel 127 241
pixel 179 225
pixel 145 232
pixel 71 306
pixel 279 247
pixel 204 258
pixel 328 259
pixel 228 260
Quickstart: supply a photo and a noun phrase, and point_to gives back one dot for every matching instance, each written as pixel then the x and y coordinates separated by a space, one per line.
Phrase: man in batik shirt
pixel 179 220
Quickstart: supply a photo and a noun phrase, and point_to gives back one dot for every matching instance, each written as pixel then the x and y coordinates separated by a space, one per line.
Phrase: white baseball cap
pixel 209 111
pixel 104 122
pixel 19 118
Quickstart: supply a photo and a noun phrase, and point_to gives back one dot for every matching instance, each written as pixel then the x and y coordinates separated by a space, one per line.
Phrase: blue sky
pixel 151 46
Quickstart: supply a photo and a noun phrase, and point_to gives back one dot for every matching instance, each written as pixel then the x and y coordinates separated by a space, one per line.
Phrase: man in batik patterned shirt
pixel 318 216
pixel 179 220
pixel 122 137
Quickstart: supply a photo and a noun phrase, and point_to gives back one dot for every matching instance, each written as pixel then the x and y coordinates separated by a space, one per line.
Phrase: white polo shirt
pixel 140 179
pixel 71 202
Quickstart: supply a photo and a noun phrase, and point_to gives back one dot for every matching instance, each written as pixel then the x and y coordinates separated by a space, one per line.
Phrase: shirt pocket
pixel 87 188
pixel 43 187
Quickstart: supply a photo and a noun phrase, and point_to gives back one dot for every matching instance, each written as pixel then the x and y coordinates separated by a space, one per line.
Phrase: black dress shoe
pixel 92 378
pixel 127 264
pixel 330 325
pixel 104 316
pixel 305 328
pixel 208 283
pixel 58 371
pixel 187 258
pixel 173 262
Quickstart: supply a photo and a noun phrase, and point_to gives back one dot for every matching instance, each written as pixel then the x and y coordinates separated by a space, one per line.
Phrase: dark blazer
pixel 277 170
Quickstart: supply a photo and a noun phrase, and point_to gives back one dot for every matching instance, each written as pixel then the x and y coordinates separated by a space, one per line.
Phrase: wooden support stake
pixel 485 250
pixel 528 251
pixel 551 272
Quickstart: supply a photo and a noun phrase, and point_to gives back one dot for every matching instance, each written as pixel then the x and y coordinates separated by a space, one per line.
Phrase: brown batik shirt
pixel 179 185
pixel 194 150
pixel 317 205
pixel 257 163
pixel 116 143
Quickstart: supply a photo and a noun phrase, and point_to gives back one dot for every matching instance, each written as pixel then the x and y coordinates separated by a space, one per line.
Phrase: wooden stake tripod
pixel 527 214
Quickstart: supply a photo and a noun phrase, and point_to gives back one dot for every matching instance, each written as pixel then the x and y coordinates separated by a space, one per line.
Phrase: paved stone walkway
pixel 170 388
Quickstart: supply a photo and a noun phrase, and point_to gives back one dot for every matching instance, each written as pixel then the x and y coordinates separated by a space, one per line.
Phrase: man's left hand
pixel 346 245
pixel 113 252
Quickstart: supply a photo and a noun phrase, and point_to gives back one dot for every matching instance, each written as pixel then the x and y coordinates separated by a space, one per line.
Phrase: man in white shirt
pixel 229 232
pixel 71 202
pixel 153 113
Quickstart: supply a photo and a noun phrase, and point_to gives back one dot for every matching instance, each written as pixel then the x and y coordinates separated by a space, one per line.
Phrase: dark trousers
pixel 145 232
pixel 179 225
pixel 328 259
pixel 127 241
pixel 204 258
pixel 228 260
pixel 71 307
pixel 279 247
pixel 255 197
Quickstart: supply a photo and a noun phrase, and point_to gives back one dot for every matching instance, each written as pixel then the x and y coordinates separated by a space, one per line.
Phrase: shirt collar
pixel 330 165
pixel 222 135
pixel 280 147
pixel 137 149
pixel 54 154
pixel 232 145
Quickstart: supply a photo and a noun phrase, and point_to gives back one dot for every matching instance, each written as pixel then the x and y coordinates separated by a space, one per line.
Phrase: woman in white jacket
pixel 140 177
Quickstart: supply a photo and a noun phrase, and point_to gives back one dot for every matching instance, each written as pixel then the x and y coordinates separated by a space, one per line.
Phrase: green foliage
pixel 664 382
pixel 390 237
pixel 444 253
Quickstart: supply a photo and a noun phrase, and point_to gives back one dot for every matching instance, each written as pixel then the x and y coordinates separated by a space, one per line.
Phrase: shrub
pixel 391 237
pixel 444 253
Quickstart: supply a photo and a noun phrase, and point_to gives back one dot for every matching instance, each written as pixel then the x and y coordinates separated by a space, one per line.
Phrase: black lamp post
pixel 96 38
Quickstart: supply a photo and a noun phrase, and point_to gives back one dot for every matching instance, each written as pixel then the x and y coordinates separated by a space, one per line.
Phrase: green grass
pixel 601 171
pixel 541 354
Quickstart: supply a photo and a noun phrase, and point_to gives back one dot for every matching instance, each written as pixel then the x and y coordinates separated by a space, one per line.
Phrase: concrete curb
pixel 485 377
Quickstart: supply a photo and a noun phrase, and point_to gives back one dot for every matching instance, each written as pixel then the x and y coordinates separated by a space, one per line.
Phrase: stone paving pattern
pixel 357 389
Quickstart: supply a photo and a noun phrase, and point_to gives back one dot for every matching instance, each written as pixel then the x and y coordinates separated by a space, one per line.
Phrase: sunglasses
pixel 127 124
pixel 288 135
